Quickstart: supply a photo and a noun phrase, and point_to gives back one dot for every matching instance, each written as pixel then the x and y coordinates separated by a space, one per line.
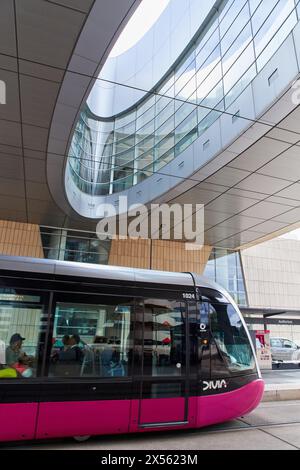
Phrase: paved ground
pixel 282 376
pixel 273 426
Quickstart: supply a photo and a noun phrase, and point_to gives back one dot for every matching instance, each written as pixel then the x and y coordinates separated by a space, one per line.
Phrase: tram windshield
pixel 231 337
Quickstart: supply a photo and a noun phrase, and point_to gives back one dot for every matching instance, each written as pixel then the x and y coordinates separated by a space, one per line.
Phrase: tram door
pixel 164 386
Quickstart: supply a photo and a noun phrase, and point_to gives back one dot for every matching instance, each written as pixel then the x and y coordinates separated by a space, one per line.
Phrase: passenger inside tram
pixel 17 362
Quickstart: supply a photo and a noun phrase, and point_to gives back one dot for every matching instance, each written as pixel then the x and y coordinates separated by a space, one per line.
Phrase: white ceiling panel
pixel 291 192
pixel 32 69
pixel 265 210
pixel 34 154
pixel 240 223
pixel 221 232
pixel 82 5
pixel 7 28
pixel 286 166
pixel 46 31
pixel 12 203
pixel 292 122
pixel 35 170
pixel 259 154
pixel 38 99
pixel 8 187
pixel 8 63
pixel 10 134
pixel 241 239
pixel 196 196
pixel 265 184
pixel 35 138
pixel 214 218
pixel 230 204
pixel 11 166
pixel 11 149
pixel 270 226
pixel 39 191
pixel 283 200
pixel 291 217
pixel 42 207
pixel 228 176
pixel 284 135
pixel 257 196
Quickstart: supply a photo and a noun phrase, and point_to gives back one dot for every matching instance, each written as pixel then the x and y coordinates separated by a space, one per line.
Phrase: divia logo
pixel 2 92
pixel 214 385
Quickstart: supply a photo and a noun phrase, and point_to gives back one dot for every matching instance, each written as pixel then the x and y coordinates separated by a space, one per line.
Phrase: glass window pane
pixel 240 67
pixel 164 146
pixel 231 338
pixel 23 321
pixel 229 16
pixel 92 340
pixel 165 112
pixel 164 338
pixel 207 45
pixel 266 47
pixel 237 48
pixel 237 28
pixel 186 126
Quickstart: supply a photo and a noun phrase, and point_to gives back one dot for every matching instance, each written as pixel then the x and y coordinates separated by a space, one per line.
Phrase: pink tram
pixel 90 350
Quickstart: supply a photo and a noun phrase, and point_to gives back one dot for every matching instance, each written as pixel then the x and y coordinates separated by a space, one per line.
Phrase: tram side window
pixel 92 340
pixel 164 337
pixel 22 322
pixel 231 338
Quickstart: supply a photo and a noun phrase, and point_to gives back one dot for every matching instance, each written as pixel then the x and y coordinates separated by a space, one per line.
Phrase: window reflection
pixel 164 338
pixel 92 340
pixel 21 324
pixel 231 338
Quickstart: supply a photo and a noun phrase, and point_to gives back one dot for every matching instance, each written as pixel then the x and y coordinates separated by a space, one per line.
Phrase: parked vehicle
pixel 284 350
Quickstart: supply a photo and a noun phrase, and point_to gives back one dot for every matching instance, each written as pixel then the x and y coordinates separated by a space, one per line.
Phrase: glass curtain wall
pixel 73 245
pixel 109 156
pixel 225 268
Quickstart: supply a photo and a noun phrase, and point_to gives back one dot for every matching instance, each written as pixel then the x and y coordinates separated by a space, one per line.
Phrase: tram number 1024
pixel 188 296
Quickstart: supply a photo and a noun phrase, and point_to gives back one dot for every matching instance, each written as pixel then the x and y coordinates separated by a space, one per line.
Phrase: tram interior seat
pixel 102 361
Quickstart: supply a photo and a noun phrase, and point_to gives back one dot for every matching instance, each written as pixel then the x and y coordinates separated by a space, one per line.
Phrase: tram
pixel 91 350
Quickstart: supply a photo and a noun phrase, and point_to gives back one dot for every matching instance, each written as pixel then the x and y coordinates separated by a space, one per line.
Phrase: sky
pixel 144 17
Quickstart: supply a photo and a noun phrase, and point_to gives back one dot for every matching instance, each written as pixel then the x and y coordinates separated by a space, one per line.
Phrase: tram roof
pixel 70 268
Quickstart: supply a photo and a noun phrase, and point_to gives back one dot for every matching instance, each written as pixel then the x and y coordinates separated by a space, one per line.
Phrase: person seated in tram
pixel 17 359
pixel 59 345
pixel 69 359
pixel 73 344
